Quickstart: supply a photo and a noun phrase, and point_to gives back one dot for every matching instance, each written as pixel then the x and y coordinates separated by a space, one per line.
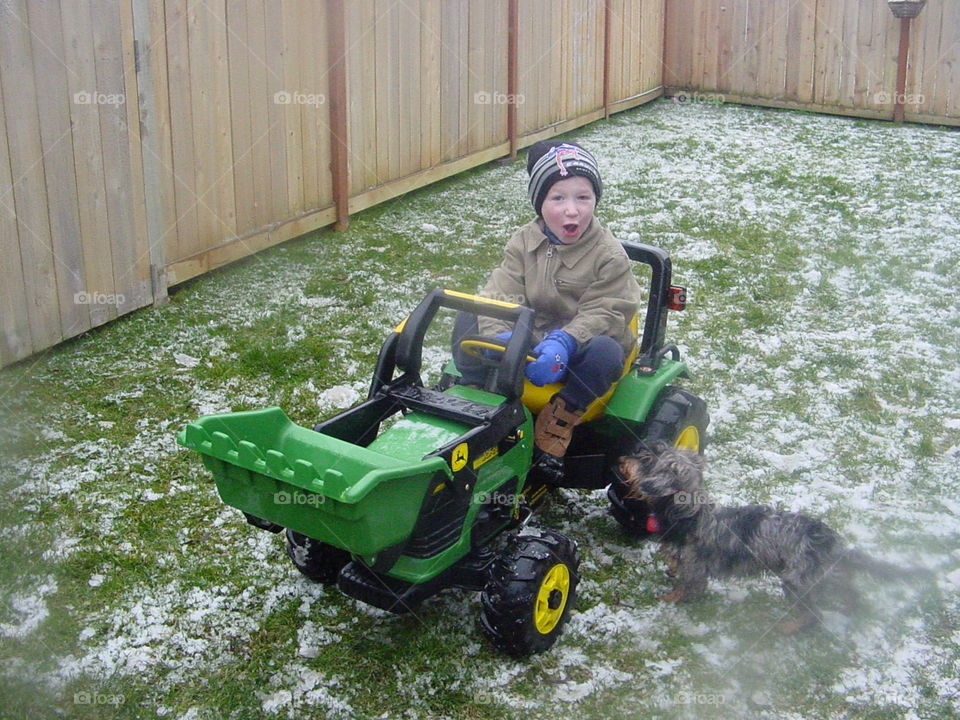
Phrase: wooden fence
pixel 837 56
pixel 144 142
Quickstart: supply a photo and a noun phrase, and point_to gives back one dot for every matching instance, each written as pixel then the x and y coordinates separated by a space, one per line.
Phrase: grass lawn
pixel 821 255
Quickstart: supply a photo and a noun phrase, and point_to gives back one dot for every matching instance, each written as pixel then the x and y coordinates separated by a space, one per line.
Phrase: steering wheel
pixel 474 346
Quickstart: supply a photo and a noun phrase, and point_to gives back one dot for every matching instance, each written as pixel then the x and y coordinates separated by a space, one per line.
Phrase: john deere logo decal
pixel 458 460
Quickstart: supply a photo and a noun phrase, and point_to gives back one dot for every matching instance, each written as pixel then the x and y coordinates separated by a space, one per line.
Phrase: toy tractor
pixel 419 489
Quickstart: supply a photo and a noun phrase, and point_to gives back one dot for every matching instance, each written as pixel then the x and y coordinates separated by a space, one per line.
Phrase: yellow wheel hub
pixel 551 598
pixel 689 439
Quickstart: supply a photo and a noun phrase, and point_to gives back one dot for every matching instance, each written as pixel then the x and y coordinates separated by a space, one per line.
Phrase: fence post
pixel 339 141
pixel 606 59
pixel 903 52
pixel 905 11
pixel 513 39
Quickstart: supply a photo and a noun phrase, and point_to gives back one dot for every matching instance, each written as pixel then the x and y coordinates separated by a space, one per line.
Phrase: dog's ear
pixel 634 467
pixel 630 468
pixel 660 484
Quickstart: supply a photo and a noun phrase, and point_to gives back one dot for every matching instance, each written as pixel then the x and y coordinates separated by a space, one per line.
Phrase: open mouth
pixel 571 229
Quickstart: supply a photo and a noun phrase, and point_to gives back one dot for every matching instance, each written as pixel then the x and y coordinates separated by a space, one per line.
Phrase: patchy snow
pixel 186 361
pixel 339 397
pixel 842 404
pixel 30 607
pixel 309 689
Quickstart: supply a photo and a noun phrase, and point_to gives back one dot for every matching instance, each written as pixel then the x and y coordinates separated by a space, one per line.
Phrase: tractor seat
pixel 535 398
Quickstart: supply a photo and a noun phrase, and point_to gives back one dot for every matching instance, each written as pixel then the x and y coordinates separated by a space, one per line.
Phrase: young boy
pixel 578 279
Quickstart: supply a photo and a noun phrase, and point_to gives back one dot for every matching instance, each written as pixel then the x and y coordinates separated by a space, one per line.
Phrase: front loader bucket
pixel 321 486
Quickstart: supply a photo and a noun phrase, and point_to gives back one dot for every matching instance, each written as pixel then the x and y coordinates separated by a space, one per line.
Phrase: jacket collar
pixel 569 255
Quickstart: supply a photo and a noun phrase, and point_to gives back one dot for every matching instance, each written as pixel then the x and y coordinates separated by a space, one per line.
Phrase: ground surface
pixel 821 256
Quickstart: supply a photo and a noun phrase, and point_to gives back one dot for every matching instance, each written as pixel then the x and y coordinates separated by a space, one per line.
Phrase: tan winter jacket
pixel 586 289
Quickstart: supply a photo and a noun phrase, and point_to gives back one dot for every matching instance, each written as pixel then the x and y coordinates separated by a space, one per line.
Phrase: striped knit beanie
pixel 549 161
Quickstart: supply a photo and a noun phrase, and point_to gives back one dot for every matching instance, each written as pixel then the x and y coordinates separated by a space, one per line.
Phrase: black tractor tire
pixel 532 588
pixel 314 559
pixel 678 418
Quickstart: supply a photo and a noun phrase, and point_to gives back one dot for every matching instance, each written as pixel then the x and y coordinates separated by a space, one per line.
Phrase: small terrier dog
pixel 700 540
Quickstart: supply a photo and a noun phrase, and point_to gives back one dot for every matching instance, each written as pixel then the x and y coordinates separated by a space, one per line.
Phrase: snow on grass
pixel 823 331
pixel 30 609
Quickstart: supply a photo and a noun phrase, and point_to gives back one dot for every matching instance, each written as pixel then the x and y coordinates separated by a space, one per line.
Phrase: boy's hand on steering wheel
pixel 553 356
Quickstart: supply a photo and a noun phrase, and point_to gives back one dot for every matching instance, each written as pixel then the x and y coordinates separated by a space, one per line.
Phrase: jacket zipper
pixel 547 274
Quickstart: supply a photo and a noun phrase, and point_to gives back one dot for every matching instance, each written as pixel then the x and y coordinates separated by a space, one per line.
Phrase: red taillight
pixel 677 297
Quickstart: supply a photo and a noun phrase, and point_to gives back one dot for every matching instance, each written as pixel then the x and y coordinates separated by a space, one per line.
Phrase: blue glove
pixel 553 355
pixel 495 354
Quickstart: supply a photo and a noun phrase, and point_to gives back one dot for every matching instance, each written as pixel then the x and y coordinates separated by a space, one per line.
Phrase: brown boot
pixel 554 427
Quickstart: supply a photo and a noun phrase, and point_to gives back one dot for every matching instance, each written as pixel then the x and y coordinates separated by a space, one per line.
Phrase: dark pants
pixel 592 369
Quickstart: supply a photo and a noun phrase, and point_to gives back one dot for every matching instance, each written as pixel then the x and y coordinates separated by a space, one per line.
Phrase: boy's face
pixel 568 208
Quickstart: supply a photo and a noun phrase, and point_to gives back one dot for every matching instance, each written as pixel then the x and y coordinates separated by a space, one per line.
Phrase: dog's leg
pixel 691 578
pixel 671 556
pixel 803 612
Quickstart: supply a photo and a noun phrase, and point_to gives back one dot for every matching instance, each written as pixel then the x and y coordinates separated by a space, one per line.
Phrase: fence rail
pixel 145 142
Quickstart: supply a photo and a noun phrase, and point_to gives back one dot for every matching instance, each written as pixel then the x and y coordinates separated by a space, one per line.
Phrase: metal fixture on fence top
pixel 906 8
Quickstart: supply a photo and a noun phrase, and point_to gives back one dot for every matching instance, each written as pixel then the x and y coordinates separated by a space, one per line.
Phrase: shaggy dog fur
pixel 701 540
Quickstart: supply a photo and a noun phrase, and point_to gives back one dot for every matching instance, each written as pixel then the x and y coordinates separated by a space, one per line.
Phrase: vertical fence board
pixel 805 32
pixel 309 31
pixel 618 29
pixel 185 242
pixel 949 60
pixel 431 18
pixel 361 91
pixel 240 58
pixel 318 191
pixel 49 71
pixel 385 91
pixel 654 49
pixel 29 184
pixel 527 68
pixel 155 149
pixel 725 47
pixel 773 59
pixel 199 40
pixel 456 78
pixel 88 158
pixel 126 240
pixel 411 43
pixel 479 82
pixel 299 97
pixel 866 79
pixel 276 136
pixel 134 284
pixel 259 71
pixel 15 334
pixel 643 40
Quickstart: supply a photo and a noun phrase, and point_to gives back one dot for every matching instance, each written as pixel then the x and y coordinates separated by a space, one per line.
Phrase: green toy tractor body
pixel 416 489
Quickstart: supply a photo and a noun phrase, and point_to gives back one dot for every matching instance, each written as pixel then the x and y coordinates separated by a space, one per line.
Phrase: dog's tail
pixel 859 561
